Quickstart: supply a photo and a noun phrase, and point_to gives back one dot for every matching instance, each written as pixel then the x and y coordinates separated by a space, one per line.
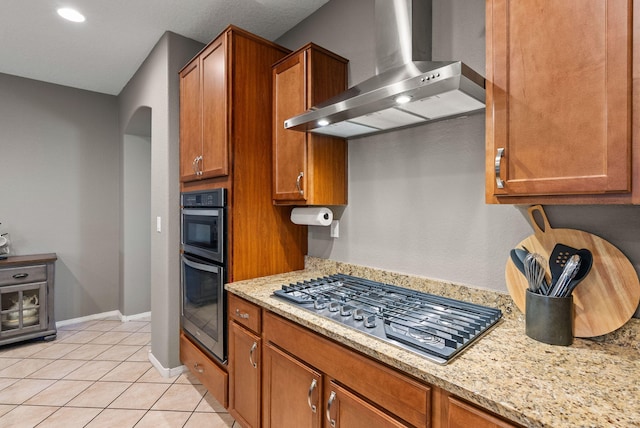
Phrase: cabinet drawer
pixel 214 378
pixel 463 415
pixel 22 275
pixel 245 313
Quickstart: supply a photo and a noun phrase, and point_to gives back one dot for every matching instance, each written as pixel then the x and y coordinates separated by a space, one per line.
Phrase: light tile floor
pixel 98 374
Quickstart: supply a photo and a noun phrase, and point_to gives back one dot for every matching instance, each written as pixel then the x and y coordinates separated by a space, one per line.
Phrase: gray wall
pixel 59 191
pixel 156 85
pixel 416 196
pixel 135 256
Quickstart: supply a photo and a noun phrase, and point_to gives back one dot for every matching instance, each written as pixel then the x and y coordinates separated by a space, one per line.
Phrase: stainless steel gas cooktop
pixel 435 327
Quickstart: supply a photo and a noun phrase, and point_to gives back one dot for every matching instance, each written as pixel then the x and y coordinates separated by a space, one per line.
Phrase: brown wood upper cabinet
pixel 261 239
pixel 203 114
pixel 559 102
pixel 308 169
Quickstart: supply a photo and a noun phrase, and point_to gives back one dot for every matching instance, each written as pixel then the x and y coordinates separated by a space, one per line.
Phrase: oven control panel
pixel 208 198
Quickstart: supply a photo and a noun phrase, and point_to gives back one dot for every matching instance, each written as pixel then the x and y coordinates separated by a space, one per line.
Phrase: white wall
pixel 416 196
pixel 59 192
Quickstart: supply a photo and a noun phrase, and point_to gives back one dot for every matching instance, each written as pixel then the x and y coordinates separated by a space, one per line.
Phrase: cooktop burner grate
pixel 436 327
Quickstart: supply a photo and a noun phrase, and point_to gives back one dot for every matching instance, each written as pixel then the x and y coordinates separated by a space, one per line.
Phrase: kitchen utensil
pixel 517 257
pixel 568 273
pixel 606 298
pixel 534 271
pixel 586 261
pixel 559 257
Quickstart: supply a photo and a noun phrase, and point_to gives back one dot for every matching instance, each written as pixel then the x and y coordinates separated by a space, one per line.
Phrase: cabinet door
pixel 289 147
pixel 345 409
pixel 292 391
pixel 244 376
pixel 215 157
pixel 23 308
pixel 462 415
pixel 558 97
pixel 190 121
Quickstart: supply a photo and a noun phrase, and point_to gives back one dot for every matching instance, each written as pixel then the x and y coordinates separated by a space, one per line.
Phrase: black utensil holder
pixel 549 319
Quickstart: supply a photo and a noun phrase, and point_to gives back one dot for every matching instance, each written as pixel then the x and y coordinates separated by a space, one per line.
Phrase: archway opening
pixel 135 254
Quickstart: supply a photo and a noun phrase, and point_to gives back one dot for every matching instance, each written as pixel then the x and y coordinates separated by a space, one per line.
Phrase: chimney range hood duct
pixel 408 88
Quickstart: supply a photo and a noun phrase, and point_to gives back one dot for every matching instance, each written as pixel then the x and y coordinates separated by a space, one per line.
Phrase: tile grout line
pixel 101 327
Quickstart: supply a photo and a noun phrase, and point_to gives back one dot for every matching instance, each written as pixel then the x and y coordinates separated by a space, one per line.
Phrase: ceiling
pixel 103 53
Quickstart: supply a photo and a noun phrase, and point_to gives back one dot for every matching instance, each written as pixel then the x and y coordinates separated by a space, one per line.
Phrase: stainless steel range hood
pixel 408 89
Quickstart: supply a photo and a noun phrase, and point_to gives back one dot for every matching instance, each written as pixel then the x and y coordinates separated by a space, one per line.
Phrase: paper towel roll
pixel 312 216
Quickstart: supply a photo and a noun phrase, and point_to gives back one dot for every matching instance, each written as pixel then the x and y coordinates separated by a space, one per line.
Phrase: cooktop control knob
pixel 370 321
pixel 334 306
pixel 346 310
pixel 319 303
pixel 358 315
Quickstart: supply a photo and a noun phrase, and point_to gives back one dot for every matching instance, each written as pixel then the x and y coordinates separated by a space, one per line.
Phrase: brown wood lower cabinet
pixel 456 413
pixel 244 368
pixel 363 390
pixel 245 361
pixel 214 378
pixel 347 409
pixel 291 391
pixel 301 379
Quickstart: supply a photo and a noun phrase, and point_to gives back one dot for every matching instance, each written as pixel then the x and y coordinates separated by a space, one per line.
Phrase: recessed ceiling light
pixel 71 14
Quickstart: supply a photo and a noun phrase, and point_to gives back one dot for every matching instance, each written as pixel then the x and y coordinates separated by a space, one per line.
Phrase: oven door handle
pixel 200 266
pixel 201 212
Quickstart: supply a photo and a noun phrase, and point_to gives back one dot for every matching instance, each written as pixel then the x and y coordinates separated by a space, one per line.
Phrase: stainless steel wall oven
pixel 203 299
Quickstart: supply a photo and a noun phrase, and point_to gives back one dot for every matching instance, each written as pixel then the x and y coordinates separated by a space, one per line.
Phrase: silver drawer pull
pixel 20 276
pixel 242 315
pixel 314 385
pixel 332 398
pixel 253 348
pixel 497 162
pixel 198 368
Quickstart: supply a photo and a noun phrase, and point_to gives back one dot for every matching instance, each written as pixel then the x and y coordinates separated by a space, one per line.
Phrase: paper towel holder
pixel 312 216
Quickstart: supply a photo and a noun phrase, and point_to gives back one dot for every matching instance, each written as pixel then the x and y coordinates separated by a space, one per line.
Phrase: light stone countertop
pixel 592 383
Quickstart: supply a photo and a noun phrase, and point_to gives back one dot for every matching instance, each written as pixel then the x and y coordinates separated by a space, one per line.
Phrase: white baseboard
pixel 165 372
pixel 125 318
pixel 89 318
pixel 103 315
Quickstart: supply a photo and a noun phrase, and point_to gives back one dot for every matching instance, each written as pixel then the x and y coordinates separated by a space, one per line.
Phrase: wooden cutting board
pixel 607 297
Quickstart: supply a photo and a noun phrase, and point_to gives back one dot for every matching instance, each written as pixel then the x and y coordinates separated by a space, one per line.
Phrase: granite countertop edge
pixel 589 383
